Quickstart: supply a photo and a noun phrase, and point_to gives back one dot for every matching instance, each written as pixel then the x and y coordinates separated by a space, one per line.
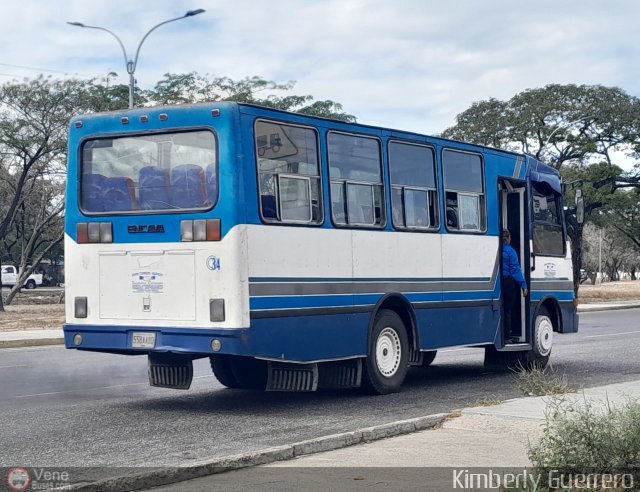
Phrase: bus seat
pixel 211 180
pixel 92 189
pixel 269 209
pixel 154 188
pixel 187 186
pixel 452 218
pixel 119 194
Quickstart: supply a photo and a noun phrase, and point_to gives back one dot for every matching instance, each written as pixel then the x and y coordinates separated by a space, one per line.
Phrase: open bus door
pixel 514 219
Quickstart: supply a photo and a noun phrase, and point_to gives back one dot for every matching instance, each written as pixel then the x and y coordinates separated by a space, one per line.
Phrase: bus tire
pixel 428 357
pixel 250 373
pixel 542 340
pixel 387 359
pixel 221 367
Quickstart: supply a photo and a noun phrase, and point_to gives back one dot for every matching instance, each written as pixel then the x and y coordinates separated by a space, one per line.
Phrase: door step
pixel 515 347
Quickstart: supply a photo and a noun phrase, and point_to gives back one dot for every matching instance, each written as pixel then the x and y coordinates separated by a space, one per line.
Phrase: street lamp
pixel 131 64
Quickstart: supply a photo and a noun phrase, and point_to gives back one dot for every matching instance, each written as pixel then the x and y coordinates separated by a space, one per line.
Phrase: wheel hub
pixel 388 352
pixel 544 336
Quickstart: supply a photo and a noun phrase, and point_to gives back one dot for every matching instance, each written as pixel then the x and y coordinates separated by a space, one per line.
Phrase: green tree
pixel 34 115
pixel 192 88
pixel 556 123
pixel 568 126
pixel 33 144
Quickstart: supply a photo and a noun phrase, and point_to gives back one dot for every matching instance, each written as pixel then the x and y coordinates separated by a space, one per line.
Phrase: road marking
pixel 612 334
pixel 8 367
pixel 94 389
pixel 77 390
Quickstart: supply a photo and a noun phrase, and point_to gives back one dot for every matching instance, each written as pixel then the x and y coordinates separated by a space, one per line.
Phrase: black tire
pixel 428 358
pixel 249 373
pixel 541 341
pixel 221 367
pixel 387 359
pixel 31 284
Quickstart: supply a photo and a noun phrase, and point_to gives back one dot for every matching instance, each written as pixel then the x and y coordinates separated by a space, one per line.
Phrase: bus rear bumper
pixel 276 339
pixel 120 339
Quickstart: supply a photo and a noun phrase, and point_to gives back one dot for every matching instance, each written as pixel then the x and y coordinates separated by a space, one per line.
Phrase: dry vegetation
pixel 33 310
pixel 625 290
pixel 39 309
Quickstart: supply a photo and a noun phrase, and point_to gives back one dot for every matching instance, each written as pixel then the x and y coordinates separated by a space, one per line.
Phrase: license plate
pixel 143 340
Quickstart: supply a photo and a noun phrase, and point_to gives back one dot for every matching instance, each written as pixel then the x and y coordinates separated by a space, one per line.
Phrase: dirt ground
pixel 38 309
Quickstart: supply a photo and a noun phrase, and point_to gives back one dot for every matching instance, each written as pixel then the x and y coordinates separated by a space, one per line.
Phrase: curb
pixel 607 308
pixel 174 474
pixel 33 342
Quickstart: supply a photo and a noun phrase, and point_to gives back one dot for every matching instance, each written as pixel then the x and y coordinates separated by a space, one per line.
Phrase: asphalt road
pixel 65 408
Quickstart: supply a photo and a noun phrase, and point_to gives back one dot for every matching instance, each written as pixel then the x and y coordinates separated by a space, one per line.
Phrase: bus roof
pixel 539 171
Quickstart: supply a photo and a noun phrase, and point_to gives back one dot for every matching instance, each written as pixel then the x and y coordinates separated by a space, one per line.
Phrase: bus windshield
pixel 163 172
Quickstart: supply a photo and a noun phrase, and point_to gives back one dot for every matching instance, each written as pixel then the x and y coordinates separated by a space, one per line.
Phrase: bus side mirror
pixel 579 206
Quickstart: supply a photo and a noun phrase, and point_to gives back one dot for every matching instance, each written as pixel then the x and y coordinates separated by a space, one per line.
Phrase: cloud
pixel 410 64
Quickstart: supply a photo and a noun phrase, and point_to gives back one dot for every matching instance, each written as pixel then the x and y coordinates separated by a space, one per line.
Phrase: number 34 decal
pixel 213 263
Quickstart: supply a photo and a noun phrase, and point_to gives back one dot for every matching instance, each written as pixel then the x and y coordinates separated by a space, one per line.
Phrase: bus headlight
pixel 77 339
pixel 216 345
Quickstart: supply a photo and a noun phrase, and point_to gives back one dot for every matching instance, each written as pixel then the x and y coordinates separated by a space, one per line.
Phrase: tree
pixel 191 88
pixel 34 115
pixel 556 123
pixel 568 126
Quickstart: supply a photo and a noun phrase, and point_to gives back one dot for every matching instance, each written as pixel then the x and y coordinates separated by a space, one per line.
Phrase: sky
pixel 407 64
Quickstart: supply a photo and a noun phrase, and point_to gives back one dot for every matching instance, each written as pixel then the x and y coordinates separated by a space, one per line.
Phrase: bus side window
pixel 355 171
pixel 464 188
pixel 413 186
pixel 288 173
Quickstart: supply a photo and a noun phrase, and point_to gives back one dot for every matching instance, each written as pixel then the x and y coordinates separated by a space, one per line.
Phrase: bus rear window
pixel 149 173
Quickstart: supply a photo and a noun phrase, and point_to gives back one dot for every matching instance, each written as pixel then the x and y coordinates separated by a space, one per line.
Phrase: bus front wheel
pixel 542 340
pixel 387 356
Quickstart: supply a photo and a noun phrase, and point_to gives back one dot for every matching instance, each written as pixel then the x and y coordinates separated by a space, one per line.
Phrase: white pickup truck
pixel 10 277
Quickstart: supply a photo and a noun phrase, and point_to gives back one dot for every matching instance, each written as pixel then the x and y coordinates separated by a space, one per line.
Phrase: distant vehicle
pixel 10 277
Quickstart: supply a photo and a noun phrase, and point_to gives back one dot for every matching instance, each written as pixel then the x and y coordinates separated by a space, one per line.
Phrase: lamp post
pixel 131 64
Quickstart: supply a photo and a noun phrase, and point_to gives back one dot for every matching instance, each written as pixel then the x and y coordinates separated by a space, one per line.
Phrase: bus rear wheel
pixel 387 359
pixel 221 367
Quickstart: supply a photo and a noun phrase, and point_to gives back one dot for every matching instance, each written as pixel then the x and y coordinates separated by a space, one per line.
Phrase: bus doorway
pixel 513 219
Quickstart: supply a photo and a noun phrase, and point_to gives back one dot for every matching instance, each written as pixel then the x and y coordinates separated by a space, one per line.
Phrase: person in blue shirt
pixel 512 281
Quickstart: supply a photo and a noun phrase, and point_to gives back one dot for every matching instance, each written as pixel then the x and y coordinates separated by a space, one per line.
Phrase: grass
pixel 541 381
pixel 583 437
pixel 486 402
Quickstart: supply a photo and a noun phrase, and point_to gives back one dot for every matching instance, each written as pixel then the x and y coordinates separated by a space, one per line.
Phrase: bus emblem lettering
pixel 135 229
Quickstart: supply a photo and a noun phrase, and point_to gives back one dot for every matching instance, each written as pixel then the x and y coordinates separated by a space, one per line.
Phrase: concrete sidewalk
pixel 492 436
pixel 30 338
pixel 476 438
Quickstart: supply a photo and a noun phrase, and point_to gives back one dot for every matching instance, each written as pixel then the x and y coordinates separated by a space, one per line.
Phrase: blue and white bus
pixel 299 253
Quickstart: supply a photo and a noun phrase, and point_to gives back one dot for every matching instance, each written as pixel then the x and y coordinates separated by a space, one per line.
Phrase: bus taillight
pixel 200 230
pixel 94 232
